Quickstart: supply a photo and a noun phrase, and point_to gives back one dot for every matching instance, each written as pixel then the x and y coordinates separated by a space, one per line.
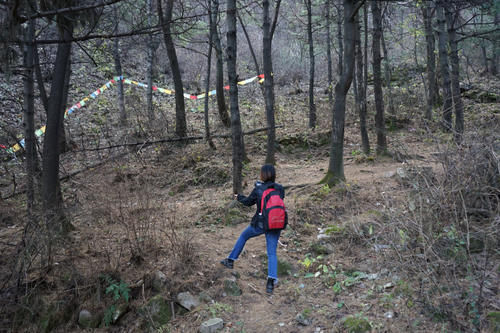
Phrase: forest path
pixel 254 310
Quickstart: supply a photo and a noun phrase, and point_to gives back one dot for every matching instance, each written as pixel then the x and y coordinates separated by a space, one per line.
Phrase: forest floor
pixel 168 208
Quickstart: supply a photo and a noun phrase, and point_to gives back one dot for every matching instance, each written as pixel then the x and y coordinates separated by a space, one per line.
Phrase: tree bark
pixel 51 190
pixel 495 57
pixel 341 43
pixel 180 113
pixel 249 42
pixel 150 59
pixel 443 65
pixel 207 82
pixel 268 82
pixel 455 75
pixel 236 132
pixel 39 79
pixel 329 52
pixel 431 59
pixel 335 171
pixel 388 75
pixel 29 116
pixel 219 80
pixel 310 41
pixel 63 142
pixel 361 93
pixel 377 79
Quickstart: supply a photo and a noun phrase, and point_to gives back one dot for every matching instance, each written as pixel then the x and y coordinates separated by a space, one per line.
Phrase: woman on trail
pixel 256 227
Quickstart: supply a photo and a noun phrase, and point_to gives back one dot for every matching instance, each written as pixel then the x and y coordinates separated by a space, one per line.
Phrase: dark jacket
pixel 255 197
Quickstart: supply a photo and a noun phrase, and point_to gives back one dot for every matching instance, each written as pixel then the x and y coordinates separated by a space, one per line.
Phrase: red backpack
pixel 272 209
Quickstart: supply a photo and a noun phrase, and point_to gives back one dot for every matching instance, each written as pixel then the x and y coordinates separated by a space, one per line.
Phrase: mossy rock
pixel 494 321
pixel 234 216
pixel 231 288
pixel 318 248
pixel 357 324
pixel 284 268
pixel 209 175
pixel 157 310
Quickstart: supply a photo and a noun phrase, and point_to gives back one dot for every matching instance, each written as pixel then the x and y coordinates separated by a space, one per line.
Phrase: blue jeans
pixel 271 245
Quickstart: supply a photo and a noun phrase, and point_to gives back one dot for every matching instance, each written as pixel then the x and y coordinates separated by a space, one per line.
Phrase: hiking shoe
pixel 270 285
pixel 228 263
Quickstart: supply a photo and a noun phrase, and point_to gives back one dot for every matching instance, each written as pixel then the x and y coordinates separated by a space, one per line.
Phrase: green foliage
pixel 357 324
pixel 217 309
pixel 119 290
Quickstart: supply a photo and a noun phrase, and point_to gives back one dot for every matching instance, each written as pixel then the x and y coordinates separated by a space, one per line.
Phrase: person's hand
pixel 235 196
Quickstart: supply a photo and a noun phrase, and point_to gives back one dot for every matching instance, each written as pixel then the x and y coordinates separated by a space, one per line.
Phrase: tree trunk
pixel 495 57
pixel 219 80
pixel 150 58
pixel 431 59
pixel 335 171
pixel 388 75
pixel 361 93
pixel 236 133
pixel 341 43
pixel 377 79
pixel 329 52
pixel 39 79
pixel 119 73
pixel 312 106
pixel 29 117
pixel 252 52
pixel 443 64
pixel 207 82
pixel 455 75
pixel 268 83
pixel 63 142
pixel 51 191
pixel 180 113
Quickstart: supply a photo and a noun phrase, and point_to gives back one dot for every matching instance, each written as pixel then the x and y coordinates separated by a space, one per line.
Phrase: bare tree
pixel 377 78
pixel 180 111
pixel 443 66
pixel 267 38
pixel 432 93
pixel 360 90
pixel 310 42
pixel 335 171
pixel 237 135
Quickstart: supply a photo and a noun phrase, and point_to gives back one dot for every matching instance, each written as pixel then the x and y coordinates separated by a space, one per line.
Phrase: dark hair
pixel 267 173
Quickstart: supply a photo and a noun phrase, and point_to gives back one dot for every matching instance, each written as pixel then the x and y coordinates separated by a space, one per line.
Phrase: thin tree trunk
pixel 431 59
pixel 455 75
pixel 219 80
pixel 443 64
pixel 252 52
pixel 51 190
pixel 150 59
pixel 39 79
pixel 341 43
pixel 29 117
pixel 495 57
pixel 312 106
pixel 180 113
pixel 388 75
pixel 335 171
pixel 329 52
pixel 237 137
pixel 63 142
pixel 118 70
pixel 377 79
pixel 268 83
pixel 207 80
pixel 360 91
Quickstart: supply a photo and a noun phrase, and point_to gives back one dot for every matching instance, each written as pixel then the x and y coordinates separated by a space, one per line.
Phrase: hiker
pixel 257 227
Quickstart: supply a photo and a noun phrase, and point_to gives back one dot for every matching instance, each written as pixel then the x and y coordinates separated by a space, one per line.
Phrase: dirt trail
pixel 255 311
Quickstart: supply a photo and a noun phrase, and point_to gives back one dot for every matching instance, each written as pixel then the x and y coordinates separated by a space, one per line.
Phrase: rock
pixel 401 173
pixel 159 281
pixel 234 216
pixel 388 285
pixel 389 314
pixel 204 297
pixel 303 319
pixel 357 324
pixel 389 174
pixel 119 312
pixel 232 288
pixel 188 301
pixel 158 310
pixel 212 325
pixel 87 320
